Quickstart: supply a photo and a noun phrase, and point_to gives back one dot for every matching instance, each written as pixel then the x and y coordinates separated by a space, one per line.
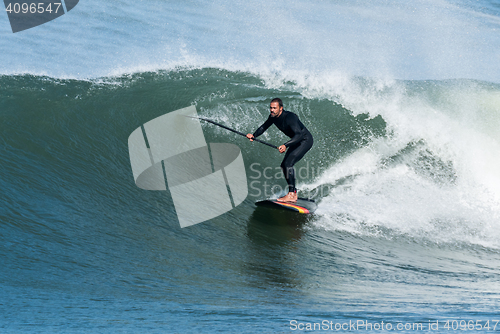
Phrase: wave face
pixel 403 101
pixel 425 151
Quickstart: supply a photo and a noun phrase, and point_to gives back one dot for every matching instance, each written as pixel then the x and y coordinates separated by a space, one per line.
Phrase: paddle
pixel 232 130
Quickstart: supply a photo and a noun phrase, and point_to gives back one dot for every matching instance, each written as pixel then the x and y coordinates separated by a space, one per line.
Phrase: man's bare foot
pixel 290 197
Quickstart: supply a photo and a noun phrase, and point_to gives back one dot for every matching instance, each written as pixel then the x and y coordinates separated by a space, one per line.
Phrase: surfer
pixel 300 142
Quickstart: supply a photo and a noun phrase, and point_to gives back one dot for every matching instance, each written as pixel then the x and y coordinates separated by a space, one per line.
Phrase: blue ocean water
pixel 402 98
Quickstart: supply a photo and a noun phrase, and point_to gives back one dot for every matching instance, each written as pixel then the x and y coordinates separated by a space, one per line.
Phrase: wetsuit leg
pixel 292 156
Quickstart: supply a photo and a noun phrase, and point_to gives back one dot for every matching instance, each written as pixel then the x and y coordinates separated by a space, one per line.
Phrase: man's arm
pixel 261 129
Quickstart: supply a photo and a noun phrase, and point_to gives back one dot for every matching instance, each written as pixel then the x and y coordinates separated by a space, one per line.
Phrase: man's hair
pixel 278 100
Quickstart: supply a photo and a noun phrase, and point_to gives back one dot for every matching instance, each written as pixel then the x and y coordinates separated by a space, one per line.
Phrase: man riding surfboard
pixel 300 142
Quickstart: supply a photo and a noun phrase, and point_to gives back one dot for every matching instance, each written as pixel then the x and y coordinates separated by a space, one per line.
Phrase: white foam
pixel 463 205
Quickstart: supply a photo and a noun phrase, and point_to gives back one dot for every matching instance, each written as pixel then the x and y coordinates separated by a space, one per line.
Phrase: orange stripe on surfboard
pixel 299 208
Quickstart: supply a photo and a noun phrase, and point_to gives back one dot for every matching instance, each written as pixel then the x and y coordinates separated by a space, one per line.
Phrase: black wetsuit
pixel 300 142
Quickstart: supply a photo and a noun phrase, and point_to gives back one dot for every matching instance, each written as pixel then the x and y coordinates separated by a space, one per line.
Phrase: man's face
pixel 275 109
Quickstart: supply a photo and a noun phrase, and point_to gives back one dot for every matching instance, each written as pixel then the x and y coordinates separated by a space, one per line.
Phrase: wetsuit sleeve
pixel 293 122
pixel 263 127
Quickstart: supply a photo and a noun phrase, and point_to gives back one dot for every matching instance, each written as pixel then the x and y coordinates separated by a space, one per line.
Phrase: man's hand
pixel 250 136
pixel 282 148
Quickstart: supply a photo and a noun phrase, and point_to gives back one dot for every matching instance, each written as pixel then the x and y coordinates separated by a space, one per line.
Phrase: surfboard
pixel 303 205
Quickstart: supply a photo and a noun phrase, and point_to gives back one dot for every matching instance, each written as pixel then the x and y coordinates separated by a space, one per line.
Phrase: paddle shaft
pixel 232 130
